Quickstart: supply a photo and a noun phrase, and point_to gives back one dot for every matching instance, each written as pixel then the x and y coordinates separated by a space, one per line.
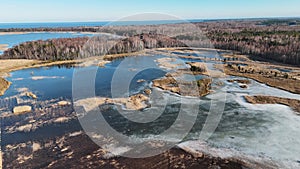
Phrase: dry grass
pixel 288 84
pixel 134 102
pixel 122 55
pixel 10 65
pixel 4 85
pixel 3 46
pixel 293 103
pixel 15 64
pixel 184 88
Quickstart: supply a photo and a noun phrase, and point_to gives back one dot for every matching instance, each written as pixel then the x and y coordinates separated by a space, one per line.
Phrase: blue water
pixel 56 81
pixel 15 39
pixel 50 25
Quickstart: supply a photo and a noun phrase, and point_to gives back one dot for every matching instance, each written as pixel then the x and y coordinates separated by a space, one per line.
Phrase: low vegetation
pixel 293 103
pixel 281 80
pixel 184 88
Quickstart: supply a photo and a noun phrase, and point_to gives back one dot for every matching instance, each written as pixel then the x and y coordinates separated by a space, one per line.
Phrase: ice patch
pixel 46 77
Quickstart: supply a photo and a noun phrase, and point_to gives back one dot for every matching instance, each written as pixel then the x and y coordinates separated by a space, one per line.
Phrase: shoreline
pixel 25 64
pixel 10 65
pixel 276 83
pixel 3 47
pixel 24 33
pixel 261 99
pixel 4 85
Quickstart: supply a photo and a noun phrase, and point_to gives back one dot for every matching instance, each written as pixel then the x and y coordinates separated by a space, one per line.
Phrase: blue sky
pixel 103 10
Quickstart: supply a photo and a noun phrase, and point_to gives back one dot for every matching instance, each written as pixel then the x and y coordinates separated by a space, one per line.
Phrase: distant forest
pixel 83 47
pixel 271 40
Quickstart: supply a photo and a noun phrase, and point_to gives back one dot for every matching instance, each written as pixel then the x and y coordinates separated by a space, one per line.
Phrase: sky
pixel 112 10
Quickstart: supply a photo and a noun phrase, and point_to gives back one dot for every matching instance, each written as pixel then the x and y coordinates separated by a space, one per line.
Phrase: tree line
pixel 83 47
pixel 270 40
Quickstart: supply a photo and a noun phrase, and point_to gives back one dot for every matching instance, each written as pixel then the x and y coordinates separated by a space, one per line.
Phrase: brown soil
pixel 293 103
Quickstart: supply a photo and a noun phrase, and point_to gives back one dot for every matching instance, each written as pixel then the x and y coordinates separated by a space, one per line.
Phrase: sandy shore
pixel 3 47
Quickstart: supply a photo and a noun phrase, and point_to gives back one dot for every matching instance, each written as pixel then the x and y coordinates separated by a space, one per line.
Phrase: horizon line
pixel 190 19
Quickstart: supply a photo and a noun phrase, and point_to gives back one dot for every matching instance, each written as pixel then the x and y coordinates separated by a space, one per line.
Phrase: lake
pixel 15 39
